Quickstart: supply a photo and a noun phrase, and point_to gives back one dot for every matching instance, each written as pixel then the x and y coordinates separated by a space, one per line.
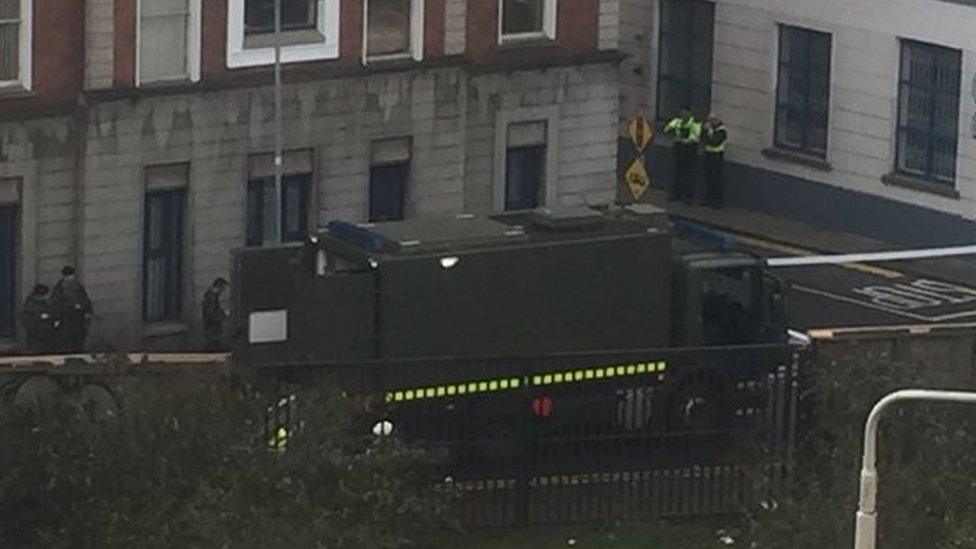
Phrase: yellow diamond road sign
pixel 641 132
pixel 637 179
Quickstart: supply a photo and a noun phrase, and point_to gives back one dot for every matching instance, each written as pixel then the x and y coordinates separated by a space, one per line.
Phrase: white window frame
pixel 548 32
pixel 192 43
pixel 24 79
pixel 327 25
pixel 416 48
pixel 504 119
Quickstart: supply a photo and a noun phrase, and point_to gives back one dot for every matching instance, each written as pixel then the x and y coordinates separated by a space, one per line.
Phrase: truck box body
pixel 463 287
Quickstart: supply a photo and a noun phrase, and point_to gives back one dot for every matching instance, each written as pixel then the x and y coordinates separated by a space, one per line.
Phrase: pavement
pixel 899 293
pixel 814 239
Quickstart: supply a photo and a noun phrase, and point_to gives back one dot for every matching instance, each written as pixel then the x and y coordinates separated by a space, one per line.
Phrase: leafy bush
pixel 926 461
pixel 186 464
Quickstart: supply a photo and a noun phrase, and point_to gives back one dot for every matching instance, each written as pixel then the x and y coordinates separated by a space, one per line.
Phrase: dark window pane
pixel 295 192
pixel 685 56
pixel 9 45
pixel 163 255
pixel 8 269
pixel 928 111
pixel 525 175
pixel 803 90
pixel 521 16
pixel 294 219
pixel 295 14
pixel 389 27
pixel 387 191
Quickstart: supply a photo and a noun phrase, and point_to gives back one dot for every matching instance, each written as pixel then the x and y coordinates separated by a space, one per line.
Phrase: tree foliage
pixel 927 461
pixel 185 463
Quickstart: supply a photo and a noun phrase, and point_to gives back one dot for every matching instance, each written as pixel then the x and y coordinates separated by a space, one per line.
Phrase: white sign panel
pixel 268 327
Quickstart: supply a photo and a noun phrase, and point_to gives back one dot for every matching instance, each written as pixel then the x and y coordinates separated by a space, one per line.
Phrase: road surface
pixel 831 296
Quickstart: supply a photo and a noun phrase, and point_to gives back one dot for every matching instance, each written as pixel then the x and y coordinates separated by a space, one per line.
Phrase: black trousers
pixel 683 178
pixel 715 179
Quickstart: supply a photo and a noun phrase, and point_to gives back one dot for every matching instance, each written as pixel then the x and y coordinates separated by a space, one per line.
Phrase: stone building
pixel 858 115
pixel 136 143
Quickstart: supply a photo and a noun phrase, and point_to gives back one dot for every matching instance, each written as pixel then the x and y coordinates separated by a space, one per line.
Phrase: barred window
pixel 928 111
pixel 162 279
pixel 685 56
pixel 803 91
pixel 295 189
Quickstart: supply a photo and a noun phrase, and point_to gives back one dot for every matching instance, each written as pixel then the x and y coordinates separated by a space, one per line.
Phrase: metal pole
pixel 866 520
pixel 278 167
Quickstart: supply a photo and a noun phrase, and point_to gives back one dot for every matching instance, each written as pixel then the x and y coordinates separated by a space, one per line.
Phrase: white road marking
pixel 890 310
pixel 900 255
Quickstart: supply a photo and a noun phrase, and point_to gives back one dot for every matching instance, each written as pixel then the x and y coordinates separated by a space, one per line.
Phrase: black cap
pixel 67 270
pixel 41 289
pixel 220 281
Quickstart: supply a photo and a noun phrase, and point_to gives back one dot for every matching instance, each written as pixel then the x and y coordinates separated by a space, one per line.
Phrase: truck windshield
pixel 728 305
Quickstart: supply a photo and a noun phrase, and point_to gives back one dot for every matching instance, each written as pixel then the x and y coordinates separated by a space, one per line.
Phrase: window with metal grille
pixel 162 265
pixel 9 40
pixel 295 191
pixel 388 27
pixel 163 40
pixel 803 90
pixel 685 57
pixel 8 269
pixel 259 15
pixel 928 111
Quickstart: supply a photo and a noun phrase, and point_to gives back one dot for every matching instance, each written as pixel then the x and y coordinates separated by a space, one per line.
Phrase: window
pixel 526 20
pixel 310 31
pixel 168 40
pixel 394 29
pixel 685 57
pixel 803 93
pixel 389 175
pixel 8 269
pixel 294 209
pixel 928 111
pixel 259 15
pixel 296 189
pixel 525 166
pixel 162 241
pixel 15 43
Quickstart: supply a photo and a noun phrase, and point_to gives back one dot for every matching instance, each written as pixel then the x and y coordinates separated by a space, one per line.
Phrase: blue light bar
pixel 705 234
pixel 362 237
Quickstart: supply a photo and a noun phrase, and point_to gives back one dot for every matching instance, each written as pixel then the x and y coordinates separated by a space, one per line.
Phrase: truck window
pixel 330 263
pixel 728 303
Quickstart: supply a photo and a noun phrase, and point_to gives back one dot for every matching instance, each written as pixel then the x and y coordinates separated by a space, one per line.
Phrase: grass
pixel 660 535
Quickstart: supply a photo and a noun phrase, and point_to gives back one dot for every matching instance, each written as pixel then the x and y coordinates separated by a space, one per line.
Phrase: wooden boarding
pixel 101 363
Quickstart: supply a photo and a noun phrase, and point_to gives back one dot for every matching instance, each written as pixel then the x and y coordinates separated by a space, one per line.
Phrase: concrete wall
pixel 39 156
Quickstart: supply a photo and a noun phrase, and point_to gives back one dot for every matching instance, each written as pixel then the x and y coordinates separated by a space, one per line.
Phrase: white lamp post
pixel 866 533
